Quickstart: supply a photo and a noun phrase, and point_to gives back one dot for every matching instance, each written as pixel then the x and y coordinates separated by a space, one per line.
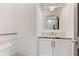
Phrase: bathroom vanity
pixel 51 46
pixel 55 35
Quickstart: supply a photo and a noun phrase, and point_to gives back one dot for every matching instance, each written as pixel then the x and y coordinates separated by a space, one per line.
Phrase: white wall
pixel 20 18
pixel 7 18
pixel 67 20
pixel 8 24
pixel 26 28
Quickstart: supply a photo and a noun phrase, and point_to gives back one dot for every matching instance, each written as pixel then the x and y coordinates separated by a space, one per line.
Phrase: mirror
pixel 51 22
pixel 51 16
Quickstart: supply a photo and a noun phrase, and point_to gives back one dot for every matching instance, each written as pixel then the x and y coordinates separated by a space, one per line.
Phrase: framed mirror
pixel 51 22
pixel 51 14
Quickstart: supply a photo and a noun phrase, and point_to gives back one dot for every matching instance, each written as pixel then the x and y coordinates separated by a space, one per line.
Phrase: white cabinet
pixel 63 47
pixel 45 48
pixel 54 47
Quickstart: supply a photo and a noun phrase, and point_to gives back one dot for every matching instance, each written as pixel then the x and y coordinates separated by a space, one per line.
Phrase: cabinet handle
pixel 52 43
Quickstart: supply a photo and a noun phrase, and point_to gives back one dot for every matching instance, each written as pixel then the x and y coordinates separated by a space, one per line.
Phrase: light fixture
pixel 52 8
pixel 49 21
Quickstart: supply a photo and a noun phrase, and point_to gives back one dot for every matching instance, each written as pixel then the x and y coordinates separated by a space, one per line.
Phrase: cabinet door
pixel 45 47
pixel 63 47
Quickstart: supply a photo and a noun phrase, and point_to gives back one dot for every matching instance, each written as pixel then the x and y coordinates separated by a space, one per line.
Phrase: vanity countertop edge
pixel 55 37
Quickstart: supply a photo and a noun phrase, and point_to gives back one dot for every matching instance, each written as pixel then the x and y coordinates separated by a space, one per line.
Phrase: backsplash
pixel 53 34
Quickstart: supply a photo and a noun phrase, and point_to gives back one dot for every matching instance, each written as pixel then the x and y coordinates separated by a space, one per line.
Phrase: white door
pixel 63 47
pixel 45 48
